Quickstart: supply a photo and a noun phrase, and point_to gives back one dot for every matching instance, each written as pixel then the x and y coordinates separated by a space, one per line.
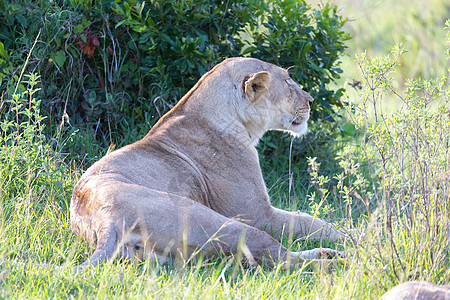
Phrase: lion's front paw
pixel 321 253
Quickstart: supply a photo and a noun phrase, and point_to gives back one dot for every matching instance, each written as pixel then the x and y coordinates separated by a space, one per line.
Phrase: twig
pixel 26 62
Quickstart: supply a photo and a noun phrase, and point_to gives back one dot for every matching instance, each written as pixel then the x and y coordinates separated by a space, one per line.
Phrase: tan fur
pixel 417 290
pixel 194 181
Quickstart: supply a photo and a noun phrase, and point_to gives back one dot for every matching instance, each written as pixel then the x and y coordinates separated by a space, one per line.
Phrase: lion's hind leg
pixel 148 224
pixel 107 242
pixel 169 225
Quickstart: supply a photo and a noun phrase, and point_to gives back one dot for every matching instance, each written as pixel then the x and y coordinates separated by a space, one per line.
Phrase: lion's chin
pixel 297 130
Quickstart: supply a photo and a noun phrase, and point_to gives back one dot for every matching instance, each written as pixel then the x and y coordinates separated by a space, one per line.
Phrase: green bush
pixel 35 184
pixel 178 41
pixel 113 67
pixel 405 154
pixel 307 41
pixel 179 46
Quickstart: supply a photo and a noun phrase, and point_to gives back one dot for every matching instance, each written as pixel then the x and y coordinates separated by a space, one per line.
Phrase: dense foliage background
pixel 111 68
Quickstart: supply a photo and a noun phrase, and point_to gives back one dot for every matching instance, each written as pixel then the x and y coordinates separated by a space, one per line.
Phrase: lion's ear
pixel 256 84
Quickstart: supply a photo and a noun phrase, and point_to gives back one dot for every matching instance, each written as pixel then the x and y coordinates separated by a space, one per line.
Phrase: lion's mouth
pixel 296 123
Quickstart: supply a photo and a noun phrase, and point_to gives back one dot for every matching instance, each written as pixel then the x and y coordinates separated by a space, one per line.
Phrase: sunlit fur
pixel 194 181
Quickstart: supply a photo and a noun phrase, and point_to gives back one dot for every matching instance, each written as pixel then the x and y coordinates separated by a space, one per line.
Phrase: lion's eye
pixel 289 83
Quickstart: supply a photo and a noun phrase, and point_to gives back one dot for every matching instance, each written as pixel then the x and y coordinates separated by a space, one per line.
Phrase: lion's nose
pixel 308 97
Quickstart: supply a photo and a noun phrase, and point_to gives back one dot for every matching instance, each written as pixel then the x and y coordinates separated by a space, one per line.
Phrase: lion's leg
pixel 233 237
pixel 162 223
pixel 281 222
pixel 211 232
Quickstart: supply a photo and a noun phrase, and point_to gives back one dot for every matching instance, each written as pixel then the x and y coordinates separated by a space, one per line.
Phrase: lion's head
pixel 281 98
pixel 263 96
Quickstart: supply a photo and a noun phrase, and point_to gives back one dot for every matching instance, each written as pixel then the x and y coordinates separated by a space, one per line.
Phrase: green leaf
pixel 348 129
pixel 78 29
pixel 140 8
pixel 60 58
pixel 307 47
pixel 3 52
pixel 22 20
pixel 316 67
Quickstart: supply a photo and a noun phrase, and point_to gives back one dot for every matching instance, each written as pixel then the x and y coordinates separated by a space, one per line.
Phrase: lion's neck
pixel 241 134
pixel 224 113
pixel 231 121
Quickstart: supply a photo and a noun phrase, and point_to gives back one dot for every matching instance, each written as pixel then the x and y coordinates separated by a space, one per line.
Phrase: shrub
pixel 307 41
pixel 393 182
pixel 178 41
pixel 406 154
pixel 34 183
pixel 178 46
pixel 115 66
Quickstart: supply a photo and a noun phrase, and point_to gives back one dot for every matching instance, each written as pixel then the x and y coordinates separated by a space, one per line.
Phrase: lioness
pixel 182 187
